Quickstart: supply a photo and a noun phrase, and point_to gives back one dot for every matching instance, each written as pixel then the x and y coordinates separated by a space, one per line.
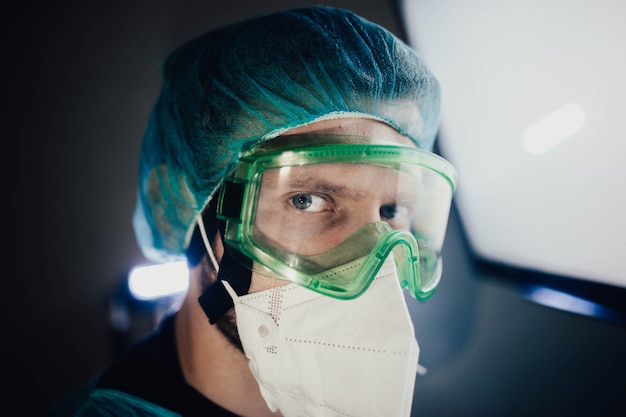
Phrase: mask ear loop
pixel 207 244
pixel 215 299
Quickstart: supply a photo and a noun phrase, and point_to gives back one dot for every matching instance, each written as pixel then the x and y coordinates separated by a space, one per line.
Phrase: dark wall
pixel 78 80
pixel 492 352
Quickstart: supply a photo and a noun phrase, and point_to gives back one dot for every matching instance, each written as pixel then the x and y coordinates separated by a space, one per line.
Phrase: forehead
pixel 354 126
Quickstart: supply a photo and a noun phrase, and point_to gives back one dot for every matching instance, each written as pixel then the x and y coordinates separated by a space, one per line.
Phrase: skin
pixel 210 362
pixel 333 200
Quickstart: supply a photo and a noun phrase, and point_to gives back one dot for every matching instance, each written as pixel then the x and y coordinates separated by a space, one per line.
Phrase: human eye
pixel 388 211
pixel 398 216
pixel 308 202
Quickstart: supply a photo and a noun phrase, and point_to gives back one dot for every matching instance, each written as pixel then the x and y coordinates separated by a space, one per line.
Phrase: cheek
pixel 261 282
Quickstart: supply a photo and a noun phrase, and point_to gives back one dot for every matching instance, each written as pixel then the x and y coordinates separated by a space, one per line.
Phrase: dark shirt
pixel 150 371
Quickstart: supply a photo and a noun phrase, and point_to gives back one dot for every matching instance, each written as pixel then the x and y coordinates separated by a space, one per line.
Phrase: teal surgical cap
pixel 246 83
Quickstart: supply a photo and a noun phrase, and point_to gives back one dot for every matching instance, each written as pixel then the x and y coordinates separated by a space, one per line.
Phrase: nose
pixel 370 212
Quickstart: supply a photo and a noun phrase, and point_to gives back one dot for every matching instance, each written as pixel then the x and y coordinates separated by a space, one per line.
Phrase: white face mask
pixel 314 355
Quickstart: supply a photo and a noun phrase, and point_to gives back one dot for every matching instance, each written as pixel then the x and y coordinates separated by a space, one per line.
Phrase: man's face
pixel 309 210
pixel 362 204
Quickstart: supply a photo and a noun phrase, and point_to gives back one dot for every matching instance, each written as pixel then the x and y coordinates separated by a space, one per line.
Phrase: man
pixel 288 158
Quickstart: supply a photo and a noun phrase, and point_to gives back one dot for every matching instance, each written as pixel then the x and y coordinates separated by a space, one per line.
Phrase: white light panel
pixel 152 282
pixel 534 115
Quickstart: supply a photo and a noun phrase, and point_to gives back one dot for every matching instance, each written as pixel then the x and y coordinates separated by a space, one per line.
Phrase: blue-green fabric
pixel 112 403
pixel 249 82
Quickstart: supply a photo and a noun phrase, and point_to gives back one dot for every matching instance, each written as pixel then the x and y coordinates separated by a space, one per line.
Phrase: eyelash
pixel 293 197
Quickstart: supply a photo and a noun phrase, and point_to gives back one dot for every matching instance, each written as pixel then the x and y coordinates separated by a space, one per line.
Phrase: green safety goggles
pixel 325 212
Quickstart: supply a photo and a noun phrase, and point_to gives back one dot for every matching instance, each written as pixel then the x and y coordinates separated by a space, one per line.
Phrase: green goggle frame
pixel 346 270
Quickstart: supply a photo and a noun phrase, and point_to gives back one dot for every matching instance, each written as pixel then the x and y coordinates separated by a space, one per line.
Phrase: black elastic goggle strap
pixel 230 200
pixel 215 300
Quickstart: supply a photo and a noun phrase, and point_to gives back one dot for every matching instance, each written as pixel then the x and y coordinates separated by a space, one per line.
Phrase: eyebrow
pixel 315 183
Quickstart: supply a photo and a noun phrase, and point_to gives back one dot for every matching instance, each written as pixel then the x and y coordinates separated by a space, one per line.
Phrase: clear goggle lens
pixel 327 213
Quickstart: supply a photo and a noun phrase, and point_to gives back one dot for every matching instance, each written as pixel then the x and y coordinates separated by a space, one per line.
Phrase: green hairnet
pixel 249 82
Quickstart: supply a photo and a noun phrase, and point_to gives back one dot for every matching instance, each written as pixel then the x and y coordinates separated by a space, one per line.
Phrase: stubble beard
pixel 227 325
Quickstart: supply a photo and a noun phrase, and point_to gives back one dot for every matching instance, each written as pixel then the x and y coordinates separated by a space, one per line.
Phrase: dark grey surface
pixel 490 352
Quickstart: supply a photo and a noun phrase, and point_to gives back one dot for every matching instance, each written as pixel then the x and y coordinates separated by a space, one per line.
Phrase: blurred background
pixel 529 318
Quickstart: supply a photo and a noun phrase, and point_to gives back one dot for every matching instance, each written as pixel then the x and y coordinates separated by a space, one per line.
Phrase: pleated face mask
pixel 315 355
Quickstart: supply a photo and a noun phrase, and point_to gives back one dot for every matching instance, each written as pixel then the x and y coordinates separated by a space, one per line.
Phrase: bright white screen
pixel 534 119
